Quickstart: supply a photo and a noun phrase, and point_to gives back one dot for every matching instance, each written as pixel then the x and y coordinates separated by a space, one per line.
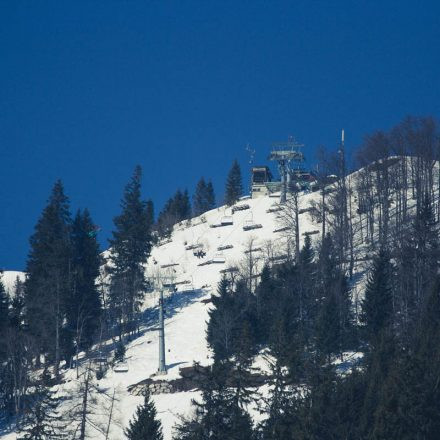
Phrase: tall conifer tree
pixel 49 275
pixel 130 249
pixel 204 198
pixel 377 307
pixel 234 184
pixel 4 319
pixel 84 307
pixel 145 424
pixel 210 196
pixel 43 420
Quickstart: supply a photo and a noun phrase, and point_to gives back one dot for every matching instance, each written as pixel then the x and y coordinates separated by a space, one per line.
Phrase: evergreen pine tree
pixel 199 204
pixel 307 254
pixel 182 205
pixel 317 414
pixel 210 196
pixel 42 421
pixel 145 424
pixel 4 319
pixel 150 213
pixel 377 306
pixel 223 322
pixel 17 305
pixel 130 249
pixel 204 198
pixel 4 306
pixel 408 405
pixel 306 287
pixel 425 251
pixel 176 209
pixel 234 184
pixel 48 276
pixel 379 363
pixel 217 416
pixel 326 264
pixel 84 303
pixel 266 297
pixel 347 402
pixel 328 330
pixel 278 405
pixel 16 347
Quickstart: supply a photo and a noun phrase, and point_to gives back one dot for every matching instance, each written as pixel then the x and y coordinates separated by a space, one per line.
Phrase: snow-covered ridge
pixel 9 277
pixel 224 247
pixel 187 313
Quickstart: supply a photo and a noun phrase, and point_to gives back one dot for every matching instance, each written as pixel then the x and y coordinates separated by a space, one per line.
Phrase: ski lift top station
pixel 290 159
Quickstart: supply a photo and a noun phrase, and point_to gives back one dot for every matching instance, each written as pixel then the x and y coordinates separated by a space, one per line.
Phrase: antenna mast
pixel 251 152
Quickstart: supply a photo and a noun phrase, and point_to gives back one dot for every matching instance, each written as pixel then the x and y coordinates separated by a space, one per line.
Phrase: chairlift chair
pixel 121 367
pixel 188 287
pixel 218 258
pixel 227 220
pixel 224 247
pixel 249 225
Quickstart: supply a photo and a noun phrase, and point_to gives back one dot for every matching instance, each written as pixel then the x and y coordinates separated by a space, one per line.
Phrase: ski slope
pixel 186 313
pixel 186 267
pixel 173 262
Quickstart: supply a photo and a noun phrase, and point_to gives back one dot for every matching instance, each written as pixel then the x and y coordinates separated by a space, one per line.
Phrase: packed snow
pixel 186 312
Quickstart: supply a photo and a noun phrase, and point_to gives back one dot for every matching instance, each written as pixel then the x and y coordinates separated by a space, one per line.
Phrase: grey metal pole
pixel 283 195
pixel 162 364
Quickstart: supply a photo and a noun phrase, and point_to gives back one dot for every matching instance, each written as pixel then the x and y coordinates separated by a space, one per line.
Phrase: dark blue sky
pixel 91 88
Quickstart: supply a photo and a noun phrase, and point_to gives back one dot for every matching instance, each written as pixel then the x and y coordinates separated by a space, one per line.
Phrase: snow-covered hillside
pixel 192 261
pixel 184 267
pixel 186 312
pixel 9 278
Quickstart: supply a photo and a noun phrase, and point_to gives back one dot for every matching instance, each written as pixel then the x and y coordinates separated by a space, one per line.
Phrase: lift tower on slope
pixel 162 364
pixel 161 283
pixel 285 153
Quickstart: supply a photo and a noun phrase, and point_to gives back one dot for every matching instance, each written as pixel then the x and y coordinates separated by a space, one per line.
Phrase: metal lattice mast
pixel 284 153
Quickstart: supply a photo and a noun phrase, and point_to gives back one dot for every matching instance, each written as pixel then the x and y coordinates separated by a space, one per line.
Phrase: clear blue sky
pixel 91 88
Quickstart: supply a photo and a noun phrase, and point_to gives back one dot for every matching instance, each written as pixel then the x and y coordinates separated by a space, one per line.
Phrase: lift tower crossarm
pixel 284 153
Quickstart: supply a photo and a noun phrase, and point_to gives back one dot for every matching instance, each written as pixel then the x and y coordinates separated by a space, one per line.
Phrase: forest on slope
pixel 299 313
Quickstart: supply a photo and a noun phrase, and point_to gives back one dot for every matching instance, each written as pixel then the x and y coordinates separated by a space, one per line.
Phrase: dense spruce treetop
pixel 131 241
pixel 51 238
pixel 217 415
pixel 307 254
pixel 183 204
pixel 145 425
pixel 4 305
pixel 47 286
pixel 17 305
pixel 234 184
pixel 328 329
pixel 176 209
pixel 43 421
pixel 210 196
pixel 4 317
pixel 130 248
pixel 204 198
pixel 377 306
pixel 85 246
pixel 84 306
pixel 150 212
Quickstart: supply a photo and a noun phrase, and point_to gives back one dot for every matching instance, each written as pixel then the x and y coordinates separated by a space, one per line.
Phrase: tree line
pixel 343 363
pixel 303 315
pixel 73 296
